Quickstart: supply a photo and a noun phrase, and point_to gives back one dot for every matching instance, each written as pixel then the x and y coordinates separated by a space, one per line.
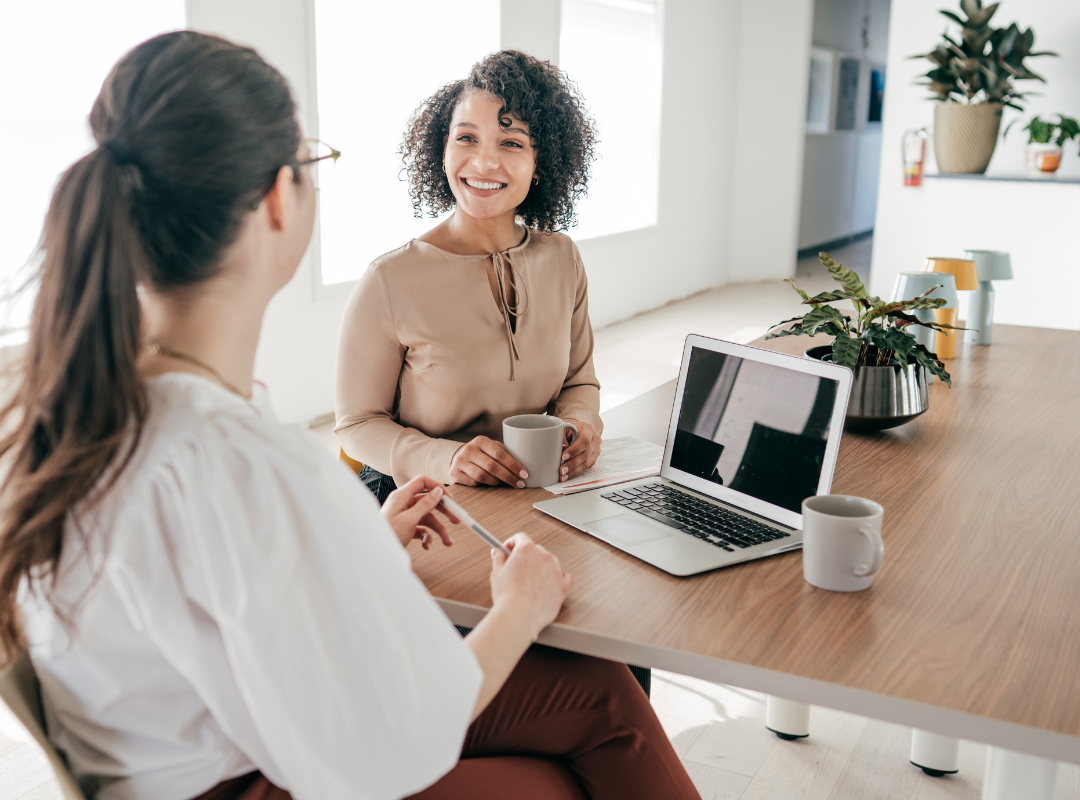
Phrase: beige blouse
pixel 428 359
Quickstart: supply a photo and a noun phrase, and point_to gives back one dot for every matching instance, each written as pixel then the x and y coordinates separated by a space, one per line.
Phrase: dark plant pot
pixel 881 397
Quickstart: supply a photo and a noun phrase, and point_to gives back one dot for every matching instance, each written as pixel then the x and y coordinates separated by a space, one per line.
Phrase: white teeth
pixel 481 185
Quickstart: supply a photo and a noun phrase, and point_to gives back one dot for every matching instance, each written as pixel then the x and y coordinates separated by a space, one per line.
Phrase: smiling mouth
pixel 483 185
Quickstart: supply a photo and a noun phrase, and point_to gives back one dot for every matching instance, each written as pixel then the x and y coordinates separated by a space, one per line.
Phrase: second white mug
pixel 842 546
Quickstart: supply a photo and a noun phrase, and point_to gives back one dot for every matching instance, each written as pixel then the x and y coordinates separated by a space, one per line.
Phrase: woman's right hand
pixel 530 582
pixel 485 461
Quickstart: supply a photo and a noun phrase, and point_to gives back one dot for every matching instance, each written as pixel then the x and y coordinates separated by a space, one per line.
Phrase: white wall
pixel 770 120
pixel 1036 222
pixel 840 168
pixel 299 335
pixel 730 159
pixel 686 250
pixel 532 27
pixel 730 167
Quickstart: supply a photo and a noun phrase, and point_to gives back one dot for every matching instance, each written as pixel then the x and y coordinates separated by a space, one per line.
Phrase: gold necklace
pixel 158 349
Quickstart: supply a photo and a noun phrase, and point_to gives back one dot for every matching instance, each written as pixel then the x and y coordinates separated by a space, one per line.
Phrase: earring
pixel 536 180
pixel 444 169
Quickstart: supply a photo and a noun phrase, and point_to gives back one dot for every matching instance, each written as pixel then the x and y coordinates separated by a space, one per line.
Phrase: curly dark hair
pixel 537 93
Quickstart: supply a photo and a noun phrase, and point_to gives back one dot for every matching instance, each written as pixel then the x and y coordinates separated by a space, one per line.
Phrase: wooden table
pixel 972 626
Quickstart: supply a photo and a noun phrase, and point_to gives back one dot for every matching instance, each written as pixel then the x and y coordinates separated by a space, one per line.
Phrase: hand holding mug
pixel 485 461
pixel 580 454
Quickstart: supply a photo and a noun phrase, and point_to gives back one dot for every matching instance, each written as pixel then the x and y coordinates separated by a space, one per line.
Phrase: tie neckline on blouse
pixel 507 280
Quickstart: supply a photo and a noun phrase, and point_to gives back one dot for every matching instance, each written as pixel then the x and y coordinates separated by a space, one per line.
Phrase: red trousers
pixel 564 727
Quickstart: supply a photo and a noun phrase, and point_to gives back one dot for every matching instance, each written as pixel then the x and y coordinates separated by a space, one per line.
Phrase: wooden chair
pixel 19 688
pixel 354 465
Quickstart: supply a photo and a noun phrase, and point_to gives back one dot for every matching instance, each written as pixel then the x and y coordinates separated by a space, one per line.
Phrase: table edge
pixel 998 733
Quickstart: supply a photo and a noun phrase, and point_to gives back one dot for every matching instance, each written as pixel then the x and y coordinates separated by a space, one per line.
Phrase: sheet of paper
pixel 624 459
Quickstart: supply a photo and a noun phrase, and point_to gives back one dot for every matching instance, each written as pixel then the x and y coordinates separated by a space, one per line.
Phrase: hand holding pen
pixel 410 511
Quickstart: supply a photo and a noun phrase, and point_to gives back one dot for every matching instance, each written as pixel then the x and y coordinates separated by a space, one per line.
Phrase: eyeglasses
pixel 318 145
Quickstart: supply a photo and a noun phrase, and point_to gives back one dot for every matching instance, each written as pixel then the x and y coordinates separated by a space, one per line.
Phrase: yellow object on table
pixel 967 279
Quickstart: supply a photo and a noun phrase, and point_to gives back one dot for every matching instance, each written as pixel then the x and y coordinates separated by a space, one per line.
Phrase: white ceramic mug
pixel 842 547
pixel 536 441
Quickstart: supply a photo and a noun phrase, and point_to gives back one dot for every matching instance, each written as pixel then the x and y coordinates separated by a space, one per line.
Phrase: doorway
pixel 842 155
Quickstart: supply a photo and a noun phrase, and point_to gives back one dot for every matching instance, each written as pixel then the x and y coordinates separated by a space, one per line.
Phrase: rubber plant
pixel 876 334
pixel 1042 131
pixel 981 63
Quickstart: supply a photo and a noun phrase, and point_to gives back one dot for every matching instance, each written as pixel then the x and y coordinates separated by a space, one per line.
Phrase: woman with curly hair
pixel 486 315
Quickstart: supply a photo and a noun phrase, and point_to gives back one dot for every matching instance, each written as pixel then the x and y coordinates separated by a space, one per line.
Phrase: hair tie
pixel 120 153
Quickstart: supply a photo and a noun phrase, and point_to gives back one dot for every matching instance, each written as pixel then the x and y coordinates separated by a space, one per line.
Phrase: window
pixel 54 58
pixel 613 50
pixel 375 63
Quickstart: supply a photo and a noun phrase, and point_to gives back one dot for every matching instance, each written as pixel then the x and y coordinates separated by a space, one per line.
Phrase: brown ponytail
pixel 192 130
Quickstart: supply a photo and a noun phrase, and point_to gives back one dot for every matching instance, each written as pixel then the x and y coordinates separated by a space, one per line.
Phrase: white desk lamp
pixel 992 265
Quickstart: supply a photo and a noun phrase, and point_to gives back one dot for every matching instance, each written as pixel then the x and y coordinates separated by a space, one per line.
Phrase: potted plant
pixel 1045 139
pixel 890 385
pixel 973 77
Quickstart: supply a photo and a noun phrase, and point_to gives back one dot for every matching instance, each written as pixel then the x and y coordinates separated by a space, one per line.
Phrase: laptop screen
pixel 753 427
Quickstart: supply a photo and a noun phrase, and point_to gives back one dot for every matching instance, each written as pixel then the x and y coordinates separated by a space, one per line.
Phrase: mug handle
pixel 572 427
pixel 871 533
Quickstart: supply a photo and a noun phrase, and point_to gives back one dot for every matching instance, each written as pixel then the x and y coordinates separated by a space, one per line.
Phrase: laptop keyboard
pixel 710 523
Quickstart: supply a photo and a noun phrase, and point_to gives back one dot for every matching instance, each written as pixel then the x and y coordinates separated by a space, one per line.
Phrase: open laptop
pixel 752 434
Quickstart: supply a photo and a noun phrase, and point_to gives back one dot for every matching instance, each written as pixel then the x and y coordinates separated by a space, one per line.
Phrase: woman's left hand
pixel 583 453
pixel 410 511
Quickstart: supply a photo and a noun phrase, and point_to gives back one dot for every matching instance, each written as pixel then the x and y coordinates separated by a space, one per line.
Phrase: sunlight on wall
pixel 376 62
pixel 613 50
pixel 53 69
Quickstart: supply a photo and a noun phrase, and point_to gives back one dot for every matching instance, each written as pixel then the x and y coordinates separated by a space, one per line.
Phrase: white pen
pixel 471 523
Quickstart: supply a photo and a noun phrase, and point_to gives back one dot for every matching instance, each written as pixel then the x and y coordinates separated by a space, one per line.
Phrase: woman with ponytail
pixel 214 606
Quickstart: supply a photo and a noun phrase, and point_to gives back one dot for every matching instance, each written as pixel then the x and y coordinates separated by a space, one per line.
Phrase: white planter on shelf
pixel 965 135
pixel 1043 160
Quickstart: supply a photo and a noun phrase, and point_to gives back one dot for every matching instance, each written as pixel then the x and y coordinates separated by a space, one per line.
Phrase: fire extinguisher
pixel 914 151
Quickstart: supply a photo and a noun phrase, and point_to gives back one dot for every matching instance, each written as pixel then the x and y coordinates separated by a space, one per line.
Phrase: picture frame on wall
pixel 819 101
pixel 877 94
pixel 847 93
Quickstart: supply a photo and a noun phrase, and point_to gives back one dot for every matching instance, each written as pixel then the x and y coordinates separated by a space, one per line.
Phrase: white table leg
pixel 934 754
pixel 788 719
pixel 1016 776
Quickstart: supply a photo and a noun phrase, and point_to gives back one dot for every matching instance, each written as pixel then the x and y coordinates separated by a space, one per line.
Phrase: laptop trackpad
pixel 628 530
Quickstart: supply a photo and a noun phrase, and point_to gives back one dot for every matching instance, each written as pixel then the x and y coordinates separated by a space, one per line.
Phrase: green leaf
pixel 794 330
pixel 902 320
pixel 786 321
pixel 828 297
pixel 842 275
pixel 923 303
pixel 845 351
pixel 895 339
pixel 820 316
pixel 925 358
pixel 803 294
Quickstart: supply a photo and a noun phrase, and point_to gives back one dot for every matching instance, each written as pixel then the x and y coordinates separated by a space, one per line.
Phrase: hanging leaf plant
pixel 876 334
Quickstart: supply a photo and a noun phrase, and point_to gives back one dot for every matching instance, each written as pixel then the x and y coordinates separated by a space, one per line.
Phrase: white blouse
pixel 240 604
